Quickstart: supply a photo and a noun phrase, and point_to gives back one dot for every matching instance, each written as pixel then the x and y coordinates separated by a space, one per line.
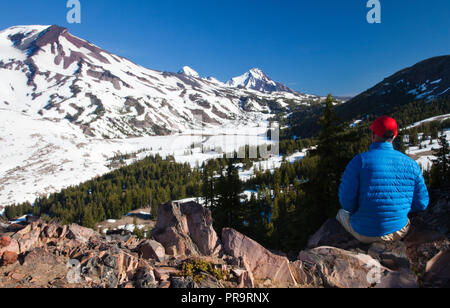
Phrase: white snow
pixel 423 155
pixel 186 70
pixel 41 157
pixel 270 164
pixel 437 118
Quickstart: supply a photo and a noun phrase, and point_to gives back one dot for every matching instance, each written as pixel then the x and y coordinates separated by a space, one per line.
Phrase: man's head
pixel 384 129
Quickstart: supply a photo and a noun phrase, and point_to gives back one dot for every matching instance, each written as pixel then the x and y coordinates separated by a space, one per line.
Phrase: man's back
pixel 380 188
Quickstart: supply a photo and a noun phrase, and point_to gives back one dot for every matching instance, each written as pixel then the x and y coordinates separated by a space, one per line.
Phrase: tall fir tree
pixel 440 175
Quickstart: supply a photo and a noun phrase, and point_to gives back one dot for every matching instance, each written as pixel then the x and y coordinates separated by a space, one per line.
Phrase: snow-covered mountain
pixel 256 79
pixel 427 81
pixel 186 70
pixel 50 74
pixel 68 106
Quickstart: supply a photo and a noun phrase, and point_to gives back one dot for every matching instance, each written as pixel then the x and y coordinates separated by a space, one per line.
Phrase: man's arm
pixel 349 189
pixel 421 198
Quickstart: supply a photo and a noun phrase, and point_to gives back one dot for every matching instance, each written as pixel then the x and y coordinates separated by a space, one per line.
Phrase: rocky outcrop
pixel 59 256
pixel 186 230
pixel 261 263
pixel 185 252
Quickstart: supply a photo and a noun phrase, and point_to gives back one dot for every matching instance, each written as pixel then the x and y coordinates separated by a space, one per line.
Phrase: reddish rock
pixel 80 234
pixel 164 273
pixel 186 230
pixel 338 268
pixel 300 273
pixel 261 263
pixel 246 279
pixel 200 226
pixel 9 258
pixel 13 247
pixel 27 241
pixel 152 250
pixel 5 241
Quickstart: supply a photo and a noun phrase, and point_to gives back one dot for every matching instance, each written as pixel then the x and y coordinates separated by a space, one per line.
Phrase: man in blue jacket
pixel 380 188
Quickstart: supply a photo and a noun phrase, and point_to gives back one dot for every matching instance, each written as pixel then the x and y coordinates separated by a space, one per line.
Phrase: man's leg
pixel 344 218
pixel 397 236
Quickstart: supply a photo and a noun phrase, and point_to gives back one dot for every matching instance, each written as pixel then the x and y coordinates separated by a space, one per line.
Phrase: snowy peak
pixel 256 79
pixel 50 74
pixel 186 70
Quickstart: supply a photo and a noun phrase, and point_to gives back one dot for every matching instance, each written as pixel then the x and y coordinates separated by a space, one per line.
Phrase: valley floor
pixel 38 157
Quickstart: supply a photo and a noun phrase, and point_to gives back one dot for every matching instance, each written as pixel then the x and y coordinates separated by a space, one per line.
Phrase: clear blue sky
pixel 312 46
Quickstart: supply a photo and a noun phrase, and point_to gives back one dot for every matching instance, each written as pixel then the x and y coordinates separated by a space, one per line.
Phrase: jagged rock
pixel 27 238
pixel 332 234
pixel 261 262
pixel 145 279
pixel 246 279
pixel 438 270
pixel 186 230
pixel 40 256
pixel 209 282
pixel 109 277
pixel 9 257
pixel 392 255
pixel 152 250
pixel 338 268
pixel 300 272
pixel 80 234
pixel 12 247
pixel 200 225
pixel 182 283
pixel 164 273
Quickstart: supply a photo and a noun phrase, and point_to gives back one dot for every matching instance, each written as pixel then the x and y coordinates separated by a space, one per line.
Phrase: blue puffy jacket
pixel 380 188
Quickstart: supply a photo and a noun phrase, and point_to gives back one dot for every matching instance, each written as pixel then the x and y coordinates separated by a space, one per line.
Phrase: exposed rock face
pixel 186 230
pixel 261 262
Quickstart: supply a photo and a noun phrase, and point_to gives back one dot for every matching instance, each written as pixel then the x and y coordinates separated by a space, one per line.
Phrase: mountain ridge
pixel 58 76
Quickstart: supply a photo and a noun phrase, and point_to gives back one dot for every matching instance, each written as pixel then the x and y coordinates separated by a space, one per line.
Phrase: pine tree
pixel 441 166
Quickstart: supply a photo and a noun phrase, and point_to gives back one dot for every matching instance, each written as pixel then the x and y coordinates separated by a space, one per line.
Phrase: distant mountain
pixel 256 79
pixel 186 70
pixel 427 80
pixel 47 73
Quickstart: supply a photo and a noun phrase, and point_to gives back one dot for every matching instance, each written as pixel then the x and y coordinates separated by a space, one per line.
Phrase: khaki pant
pixel 344 218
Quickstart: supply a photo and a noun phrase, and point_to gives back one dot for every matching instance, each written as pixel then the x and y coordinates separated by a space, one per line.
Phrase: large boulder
pixel 80 234
pixel 338 268
pixel 332 234
pixel 5 241
pixel 9 257
pixel 186 230
pixel 438 270
pixel 261 262
pixel 9 245
pixel 152 250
